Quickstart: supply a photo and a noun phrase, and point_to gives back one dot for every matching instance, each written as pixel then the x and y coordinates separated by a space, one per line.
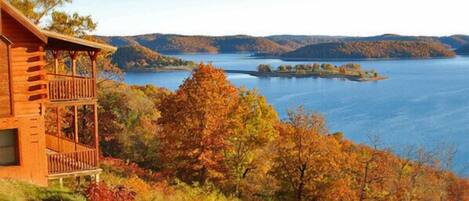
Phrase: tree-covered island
pixel 348 71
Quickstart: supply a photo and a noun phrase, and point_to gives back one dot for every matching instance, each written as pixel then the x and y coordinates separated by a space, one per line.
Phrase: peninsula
pixel 350 71
pixel 137 58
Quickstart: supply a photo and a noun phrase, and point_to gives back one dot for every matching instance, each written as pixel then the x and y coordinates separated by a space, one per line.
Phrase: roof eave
pixel 23 20
pixel 82 42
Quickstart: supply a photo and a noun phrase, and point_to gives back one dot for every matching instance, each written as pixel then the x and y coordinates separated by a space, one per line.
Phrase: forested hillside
pixel 453 42
pixel 376 49
pixel 297 41
pixel 211 133
pixel 269 45
pixel 139 58
pixel 463 50
pixel 192 44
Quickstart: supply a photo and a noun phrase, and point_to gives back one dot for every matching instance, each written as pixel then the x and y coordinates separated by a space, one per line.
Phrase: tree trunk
pixel 301 186
pixel 364 184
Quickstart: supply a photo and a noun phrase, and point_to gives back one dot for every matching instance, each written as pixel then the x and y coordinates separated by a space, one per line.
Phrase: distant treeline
pixel 193 44
pixel 375 49
pixel 277 44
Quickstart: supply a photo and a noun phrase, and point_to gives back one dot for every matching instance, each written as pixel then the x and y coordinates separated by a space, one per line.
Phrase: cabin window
pixel 9 147
pixel 6 108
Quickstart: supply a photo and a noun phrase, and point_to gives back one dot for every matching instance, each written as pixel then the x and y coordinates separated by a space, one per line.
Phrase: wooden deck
pixel 60 164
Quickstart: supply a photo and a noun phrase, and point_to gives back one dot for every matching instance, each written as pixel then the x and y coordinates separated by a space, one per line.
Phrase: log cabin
pixel 48 105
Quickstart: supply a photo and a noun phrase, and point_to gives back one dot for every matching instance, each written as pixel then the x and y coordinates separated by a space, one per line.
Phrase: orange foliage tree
pixel 308 161
pixel 248 158
pixel 196 122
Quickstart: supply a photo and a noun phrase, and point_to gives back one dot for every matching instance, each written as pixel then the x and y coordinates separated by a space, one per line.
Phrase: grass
pixel 12 190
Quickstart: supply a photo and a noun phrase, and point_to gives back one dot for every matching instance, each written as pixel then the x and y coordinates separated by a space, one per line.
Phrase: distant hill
pixel 192 44
pixel 296 41
pixel 263 46
pixel 463 50
pixel 139 58
pixel 370 49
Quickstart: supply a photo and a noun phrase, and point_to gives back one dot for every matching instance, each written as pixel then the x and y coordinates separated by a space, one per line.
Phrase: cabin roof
pixel 51 39
pixel 64 42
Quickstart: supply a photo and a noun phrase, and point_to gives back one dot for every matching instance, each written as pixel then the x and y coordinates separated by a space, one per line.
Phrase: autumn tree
pixel 254 129
pixel 308 160
pixel 196 123
pixel 39 10
pixel 128 122
pixel 47 15
pixel 266 68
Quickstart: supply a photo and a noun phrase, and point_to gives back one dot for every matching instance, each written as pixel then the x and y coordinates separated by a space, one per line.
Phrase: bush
pixel 282 68
pixel 101 192
pixel 265 68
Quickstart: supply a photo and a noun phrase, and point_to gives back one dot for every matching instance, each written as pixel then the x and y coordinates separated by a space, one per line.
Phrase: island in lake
pixel 349 71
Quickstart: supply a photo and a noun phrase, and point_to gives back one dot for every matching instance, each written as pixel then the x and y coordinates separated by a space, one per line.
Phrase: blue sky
pixel 268 17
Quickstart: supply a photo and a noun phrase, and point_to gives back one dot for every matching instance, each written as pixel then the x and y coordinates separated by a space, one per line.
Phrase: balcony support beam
pixel 75 125
pixel 56 55
pixel 74 56
pixel 59 128
pixel 96 131
pixel 93 57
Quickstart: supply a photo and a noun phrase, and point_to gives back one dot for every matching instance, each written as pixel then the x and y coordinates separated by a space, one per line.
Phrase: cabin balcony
pixel 66 158
pixel 63 88
pixel 72 142
pixel 71 77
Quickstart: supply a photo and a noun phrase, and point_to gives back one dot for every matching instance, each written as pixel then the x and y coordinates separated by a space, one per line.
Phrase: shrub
pixel 101 192
pixel 265 68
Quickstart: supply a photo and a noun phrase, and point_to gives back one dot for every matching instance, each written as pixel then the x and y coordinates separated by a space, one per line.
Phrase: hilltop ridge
pixel 273 45
pixel 371 50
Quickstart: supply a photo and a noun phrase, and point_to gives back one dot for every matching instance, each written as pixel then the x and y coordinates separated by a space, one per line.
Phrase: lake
pixel 423 103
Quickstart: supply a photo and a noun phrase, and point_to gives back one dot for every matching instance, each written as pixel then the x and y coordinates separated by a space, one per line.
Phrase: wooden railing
pixel 64 88
pixel 63 144
pixel 72 162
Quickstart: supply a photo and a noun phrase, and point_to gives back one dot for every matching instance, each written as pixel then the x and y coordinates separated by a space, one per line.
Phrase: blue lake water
pixel 423 103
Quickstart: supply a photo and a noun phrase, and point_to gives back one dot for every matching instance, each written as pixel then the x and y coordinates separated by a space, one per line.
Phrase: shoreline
pixel 352 59
pixel 161 70
pixel 290 75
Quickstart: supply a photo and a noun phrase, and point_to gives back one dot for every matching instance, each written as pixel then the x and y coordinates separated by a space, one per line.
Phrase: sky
pixel 272 17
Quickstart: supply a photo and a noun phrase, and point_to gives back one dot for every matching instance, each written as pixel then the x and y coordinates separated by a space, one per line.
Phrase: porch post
pixel 75 124
pixel 73 56
pixel 96 131
pixel 93 56
pixel 59 130
pixel 56 54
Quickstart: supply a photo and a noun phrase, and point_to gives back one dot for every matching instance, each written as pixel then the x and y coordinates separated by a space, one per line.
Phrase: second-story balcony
pixel 70 88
